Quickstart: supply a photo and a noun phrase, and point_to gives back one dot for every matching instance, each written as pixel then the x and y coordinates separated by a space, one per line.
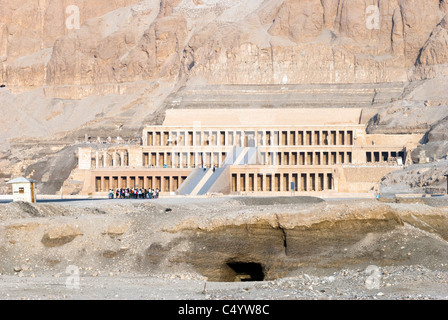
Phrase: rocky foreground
pixel 204 248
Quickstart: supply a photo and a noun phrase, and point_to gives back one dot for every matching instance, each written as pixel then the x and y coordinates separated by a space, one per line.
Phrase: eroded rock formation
pixel 225 42
pixel 76 67
pixel 224 239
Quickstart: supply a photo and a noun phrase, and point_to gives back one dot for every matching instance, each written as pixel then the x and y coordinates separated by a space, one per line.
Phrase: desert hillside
pixel 106 68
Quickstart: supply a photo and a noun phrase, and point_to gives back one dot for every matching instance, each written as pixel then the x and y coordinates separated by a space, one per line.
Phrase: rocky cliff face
pixel 224 42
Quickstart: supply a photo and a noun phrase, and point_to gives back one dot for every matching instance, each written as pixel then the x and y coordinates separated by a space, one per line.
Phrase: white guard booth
pixel 23 189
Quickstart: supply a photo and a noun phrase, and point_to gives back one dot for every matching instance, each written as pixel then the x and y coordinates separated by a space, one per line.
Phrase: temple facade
pixel 250 151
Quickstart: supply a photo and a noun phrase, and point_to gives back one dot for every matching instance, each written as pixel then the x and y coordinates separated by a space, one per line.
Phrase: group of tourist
pixel 134 193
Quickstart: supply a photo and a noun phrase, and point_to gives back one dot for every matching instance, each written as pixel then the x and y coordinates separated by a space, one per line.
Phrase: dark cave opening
pixel 247 271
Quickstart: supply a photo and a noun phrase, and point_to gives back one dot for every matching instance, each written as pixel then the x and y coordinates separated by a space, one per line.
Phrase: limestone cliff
pixel 224 42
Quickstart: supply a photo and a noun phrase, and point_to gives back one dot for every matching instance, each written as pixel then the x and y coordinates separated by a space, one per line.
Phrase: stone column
pixel 97 160
pixel 220 159
pixel 104 159
pixel 114 159
pixel 162 183
pixel 170 137
pixel 325 186
pixel 170 182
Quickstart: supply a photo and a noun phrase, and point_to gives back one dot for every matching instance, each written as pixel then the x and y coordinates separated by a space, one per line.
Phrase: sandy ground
pixel 24 277
pixel 413 283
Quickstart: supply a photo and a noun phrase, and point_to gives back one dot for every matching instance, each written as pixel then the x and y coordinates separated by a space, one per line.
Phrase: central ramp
pixel 202 180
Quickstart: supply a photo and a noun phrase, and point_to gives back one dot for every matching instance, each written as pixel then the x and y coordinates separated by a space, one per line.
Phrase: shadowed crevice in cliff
pixel 51 172
pixel 246 271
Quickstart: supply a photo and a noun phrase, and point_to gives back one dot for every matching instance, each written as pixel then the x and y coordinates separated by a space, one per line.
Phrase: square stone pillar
pixel 97 159
pixel 220 156
pixel 325 186
pixel 105 159
pixel 189 164
pixel 114 159
pixel 162 183
pixel 101 184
